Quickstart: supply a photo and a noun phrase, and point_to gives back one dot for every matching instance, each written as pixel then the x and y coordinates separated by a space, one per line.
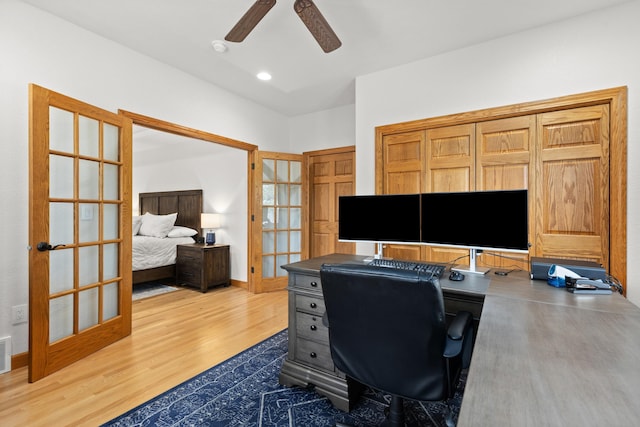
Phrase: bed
pixel 154 258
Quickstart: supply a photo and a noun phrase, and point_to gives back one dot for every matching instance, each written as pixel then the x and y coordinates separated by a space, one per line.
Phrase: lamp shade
pixel 210 220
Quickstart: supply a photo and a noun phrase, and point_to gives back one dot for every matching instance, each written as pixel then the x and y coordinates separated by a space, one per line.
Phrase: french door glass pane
pixel 89 179
pixel 296 218
pixel 268 194
pixel 111 223
pixel 294 257
pixel 60 176
pixel 60 130
pixel 281 260
pixel 89 222
pixel 88 137
pixel 283 170
pixel 296 172
pixel 60 318
pixel 295 242
pixel 110 300
pixel 110 261
pixel 282 217
pixel 88 309
pixel 282 193
pixel 60 270
pixel 282 242
pixel 268 266
pixel 268 218
pixel 60 223
pixel 296 195
pixel 88 265
pixel 111 142
pixel 268 242
pixel 268 170
pixel 111 182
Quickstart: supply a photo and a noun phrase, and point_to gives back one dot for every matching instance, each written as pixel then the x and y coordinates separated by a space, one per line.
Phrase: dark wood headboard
pixel 187 203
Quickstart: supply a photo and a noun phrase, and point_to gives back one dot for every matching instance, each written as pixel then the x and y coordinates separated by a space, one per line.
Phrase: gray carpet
pixel 150 289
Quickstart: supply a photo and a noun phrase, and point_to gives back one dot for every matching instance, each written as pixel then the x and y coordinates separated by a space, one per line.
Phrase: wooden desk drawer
pixel 311 283
pixel 314 354
pixel 310 304
pixel 310 326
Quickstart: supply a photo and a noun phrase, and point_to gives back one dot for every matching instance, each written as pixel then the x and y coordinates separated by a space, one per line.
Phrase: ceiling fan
pixel 306 10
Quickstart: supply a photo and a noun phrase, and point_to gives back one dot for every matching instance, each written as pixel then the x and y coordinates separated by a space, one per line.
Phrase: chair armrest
pixel 459 325
pixel 457 333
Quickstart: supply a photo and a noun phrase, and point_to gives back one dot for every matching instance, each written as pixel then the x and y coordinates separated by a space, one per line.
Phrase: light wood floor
pixel 175 336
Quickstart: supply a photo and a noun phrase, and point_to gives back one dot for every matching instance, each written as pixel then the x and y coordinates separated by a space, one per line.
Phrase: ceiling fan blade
pixel 317 25
pixel 249 20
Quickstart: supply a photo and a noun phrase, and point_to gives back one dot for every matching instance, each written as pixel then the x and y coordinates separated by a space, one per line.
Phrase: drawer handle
pixel 314 284
pixel 313 305
pixel 314 327
pixel 313 355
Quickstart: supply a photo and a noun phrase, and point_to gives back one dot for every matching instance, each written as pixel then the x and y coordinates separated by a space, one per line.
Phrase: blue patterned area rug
pixel 244 391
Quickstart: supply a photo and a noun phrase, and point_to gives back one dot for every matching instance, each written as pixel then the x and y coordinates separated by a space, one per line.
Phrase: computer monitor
pixel 477 220
pixel 388 218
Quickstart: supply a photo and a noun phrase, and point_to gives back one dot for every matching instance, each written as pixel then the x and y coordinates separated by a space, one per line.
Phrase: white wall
pixel 591 52
pixel 36 47
pixel 323 129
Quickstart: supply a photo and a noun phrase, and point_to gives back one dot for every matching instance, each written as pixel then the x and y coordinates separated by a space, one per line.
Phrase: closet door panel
pixel 450 167
pixel 504 158
pixel 573 189
pixel 403 157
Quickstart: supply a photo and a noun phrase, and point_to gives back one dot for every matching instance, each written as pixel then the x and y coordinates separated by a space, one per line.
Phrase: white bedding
pixel 151 252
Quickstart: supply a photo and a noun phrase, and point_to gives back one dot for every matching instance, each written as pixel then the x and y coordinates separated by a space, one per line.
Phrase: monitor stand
pixel 377 255
pixel 472 268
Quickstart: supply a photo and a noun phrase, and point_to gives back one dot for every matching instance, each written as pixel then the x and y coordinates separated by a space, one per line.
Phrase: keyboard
pixel 434 269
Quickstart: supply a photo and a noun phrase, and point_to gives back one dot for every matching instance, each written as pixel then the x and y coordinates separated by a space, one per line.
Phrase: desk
pixel 542 356
pixel 546 357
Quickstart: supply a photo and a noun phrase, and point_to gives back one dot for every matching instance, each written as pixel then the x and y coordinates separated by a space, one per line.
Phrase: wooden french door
pixel 277 219
pixel 79 230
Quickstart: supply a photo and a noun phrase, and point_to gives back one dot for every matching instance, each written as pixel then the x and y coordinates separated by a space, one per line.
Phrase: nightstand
pixel 203 266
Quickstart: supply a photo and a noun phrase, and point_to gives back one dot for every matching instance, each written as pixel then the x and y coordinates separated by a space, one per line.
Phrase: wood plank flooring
pixel 175 336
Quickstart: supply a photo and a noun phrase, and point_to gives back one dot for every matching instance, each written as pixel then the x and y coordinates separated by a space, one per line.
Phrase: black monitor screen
pixel 381 218
pixel 480 219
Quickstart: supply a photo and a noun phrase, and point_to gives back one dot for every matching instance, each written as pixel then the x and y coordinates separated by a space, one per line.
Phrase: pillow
pixel 179 231
pixel 157 225
pixel 135 225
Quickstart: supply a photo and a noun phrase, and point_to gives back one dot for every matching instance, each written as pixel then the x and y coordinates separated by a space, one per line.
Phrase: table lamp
pixel 210 221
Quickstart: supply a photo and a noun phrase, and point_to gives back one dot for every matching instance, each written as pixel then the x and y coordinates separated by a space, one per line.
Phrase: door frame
pixel 252 150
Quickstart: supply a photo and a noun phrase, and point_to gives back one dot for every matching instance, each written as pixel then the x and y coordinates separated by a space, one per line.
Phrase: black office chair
pixel 388 330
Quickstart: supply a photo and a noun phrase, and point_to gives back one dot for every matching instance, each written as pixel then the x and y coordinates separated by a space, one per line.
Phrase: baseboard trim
pixel 19 360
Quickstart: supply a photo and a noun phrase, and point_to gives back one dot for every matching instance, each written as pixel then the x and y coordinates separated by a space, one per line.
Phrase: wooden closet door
pixel 403 157
pixel 572 194
pixel 331 175
pixel 505 152
pixel 450 167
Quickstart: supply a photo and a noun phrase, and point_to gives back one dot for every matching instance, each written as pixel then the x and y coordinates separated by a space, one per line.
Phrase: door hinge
pixel 253 166
pixel 252 270
pixel 253 218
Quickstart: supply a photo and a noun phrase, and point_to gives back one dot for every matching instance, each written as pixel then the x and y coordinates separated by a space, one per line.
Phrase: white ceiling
pixel 375 35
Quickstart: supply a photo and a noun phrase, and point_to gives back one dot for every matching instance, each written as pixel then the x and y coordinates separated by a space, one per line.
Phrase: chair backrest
pixel 387 328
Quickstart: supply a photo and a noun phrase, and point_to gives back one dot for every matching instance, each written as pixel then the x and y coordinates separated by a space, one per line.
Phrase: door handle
pixel 45 246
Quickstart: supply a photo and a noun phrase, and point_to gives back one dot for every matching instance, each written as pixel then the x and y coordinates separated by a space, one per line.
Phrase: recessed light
pixel 263 75
pixel 219 46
